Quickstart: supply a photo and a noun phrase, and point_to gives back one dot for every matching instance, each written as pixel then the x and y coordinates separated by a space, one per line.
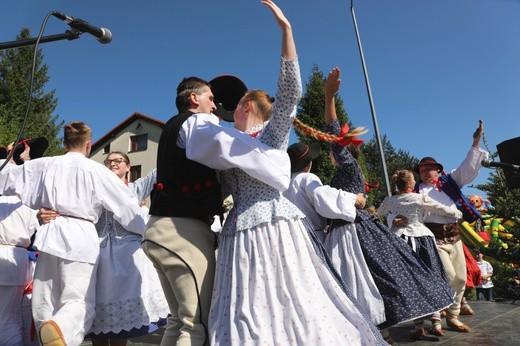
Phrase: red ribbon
pixel 343 141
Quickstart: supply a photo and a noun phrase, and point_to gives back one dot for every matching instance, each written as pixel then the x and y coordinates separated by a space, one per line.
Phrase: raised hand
pixel 332 85
pixel 333 82
pixel 283 22
pixel 288 45
pixel 477 135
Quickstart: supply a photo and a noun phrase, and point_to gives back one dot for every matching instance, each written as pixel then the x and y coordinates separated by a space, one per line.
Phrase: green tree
pixel 15 81
pixel 504 254
pixel 506 204
pixel 394 159
pixel 505 201
pixel 311 111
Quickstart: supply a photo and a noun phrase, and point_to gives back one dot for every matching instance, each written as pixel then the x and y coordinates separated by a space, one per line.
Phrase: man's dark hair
pixel 185 88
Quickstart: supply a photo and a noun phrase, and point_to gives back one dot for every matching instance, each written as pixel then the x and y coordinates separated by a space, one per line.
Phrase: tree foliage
pixel 312 112
pixel 15 81
pixel 504 254
pixel 506 201
pixel 506 204
pixel 394 160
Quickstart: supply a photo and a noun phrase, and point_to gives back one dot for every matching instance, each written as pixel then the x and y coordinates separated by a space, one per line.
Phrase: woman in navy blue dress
pixel 409 288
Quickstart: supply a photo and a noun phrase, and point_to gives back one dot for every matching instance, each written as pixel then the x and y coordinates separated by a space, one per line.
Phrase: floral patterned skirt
pixel 129 297
pixel 271 287
pixel 410 290
pixel 342 245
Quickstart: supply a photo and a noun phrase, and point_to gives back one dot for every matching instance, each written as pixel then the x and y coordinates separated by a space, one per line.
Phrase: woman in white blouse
pixel 129 299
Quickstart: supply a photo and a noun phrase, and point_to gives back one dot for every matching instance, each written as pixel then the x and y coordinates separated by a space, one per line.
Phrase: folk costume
pixel 270 285
pixel 129 299
pixel 420 238
pixel 318 202
pixel 408 288
pixel 445 228
pixel 187 195
pixel 18 224
pixel 65 276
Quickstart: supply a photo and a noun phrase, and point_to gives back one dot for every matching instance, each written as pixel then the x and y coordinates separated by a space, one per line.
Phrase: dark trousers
pixel 485 293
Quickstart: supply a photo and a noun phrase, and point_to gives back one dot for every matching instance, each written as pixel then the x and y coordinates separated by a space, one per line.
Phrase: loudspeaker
pixel 509 152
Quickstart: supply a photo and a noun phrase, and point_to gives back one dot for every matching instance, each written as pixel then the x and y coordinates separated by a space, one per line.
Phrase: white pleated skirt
pixel 271 288
pixel 342 246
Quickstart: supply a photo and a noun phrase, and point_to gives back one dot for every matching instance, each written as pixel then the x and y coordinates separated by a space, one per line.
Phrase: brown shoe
pixel 465 309
pixel 390 341
pixel 50 334
pixel 417 334
pixel 458 327
pixel 437 331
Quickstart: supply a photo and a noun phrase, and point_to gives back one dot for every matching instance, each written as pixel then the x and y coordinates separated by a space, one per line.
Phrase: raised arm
pixel 332 85
pixel 223 148
pixel 477 135
pixel 469 168
pixel 434 207
pixel 288 45
pixel 289 87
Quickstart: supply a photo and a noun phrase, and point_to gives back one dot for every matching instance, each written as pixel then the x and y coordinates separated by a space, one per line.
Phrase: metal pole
pixel 372 107
pixel 67 35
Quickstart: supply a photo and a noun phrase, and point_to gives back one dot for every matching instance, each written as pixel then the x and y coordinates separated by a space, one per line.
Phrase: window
pixel 106 149
pixel 135 173
pixel 139 143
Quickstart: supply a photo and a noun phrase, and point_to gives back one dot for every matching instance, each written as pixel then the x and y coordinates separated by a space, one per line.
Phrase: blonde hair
pixel 321 136
pixel 75 134
pixel 262 102
pixel 400 179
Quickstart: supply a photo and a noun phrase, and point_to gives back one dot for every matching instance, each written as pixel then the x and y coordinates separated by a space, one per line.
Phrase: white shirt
pixel 78 188
pixel 464 174
pixel 17 224
pixel 485 268
pixel 318 201
pixel 223 148
pixel 414 206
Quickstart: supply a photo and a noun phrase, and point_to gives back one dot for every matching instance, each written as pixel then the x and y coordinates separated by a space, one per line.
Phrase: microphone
pixel 103 34
pixel 489 164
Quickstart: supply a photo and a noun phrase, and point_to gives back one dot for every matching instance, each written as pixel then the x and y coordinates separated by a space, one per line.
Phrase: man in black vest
pixel 178 238
pixel 187 196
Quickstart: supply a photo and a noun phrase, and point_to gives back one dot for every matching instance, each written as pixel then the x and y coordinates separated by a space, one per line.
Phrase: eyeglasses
pixel 116 161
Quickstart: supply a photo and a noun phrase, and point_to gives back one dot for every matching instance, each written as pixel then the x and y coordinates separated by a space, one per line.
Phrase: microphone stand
pixel 372 107
pixel 67 35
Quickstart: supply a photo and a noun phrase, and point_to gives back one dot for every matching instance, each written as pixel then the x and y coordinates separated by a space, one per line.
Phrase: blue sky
pixel 435 67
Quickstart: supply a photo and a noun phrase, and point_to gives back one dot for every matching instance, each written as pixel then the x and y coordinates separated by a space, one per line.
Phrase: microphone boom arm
pixel 67 35
pixel 503 165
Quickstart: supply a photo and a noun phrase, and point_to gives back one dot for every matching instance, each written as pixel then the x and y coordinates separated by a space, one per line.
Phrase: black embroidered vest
pixel 184 188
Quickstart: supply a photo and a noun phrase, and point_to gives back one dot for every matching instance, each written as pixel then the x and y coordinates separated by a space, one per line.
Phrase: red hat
pixel 428 161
